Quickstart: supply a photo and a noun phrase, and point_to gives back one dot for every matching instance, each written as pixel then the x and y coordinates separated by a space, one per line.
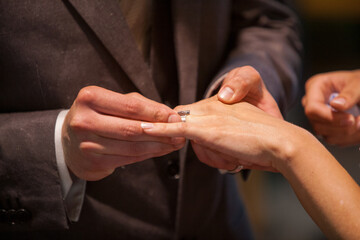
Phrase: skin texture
pixel 240 84
pixel 102 132
pixel 247 85
pixel 336 127
pixel 259 141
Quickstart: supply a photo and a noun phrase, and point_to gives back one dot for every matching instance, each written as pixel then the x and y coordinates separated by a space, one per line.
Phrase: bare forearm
pixel 324 188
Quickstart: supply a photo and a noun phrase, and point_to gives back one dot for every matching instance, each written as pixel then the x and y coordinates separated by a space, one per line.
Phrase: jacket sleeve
pixel 30 191
pixel 265 34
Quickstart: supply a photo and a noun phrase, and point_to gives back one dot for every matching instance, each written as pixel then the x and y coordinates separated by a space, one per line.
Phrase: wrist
pixel 289 148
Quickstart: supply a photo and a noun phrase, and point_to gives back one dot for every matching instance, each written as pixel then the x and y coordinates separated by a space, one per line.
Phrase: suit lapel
pixel 187 19
pixel 108 23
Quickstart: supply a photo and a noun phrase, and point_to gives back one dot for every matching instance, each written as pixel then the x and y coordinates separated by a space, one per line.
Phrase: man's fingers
pixel 106 146
pixel 267 104
pixel 189 129
pixel 334 131
pixel 246 84
pixel 238 83
pixel 344 140
pixel 112 127
pixel 319 112
pixel 132 106
pixel 99 166
pixel 348 96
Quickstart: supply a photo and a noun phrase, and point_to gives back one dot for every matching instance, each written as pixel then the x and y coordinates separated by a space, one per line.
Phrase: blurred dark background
pixel 332 42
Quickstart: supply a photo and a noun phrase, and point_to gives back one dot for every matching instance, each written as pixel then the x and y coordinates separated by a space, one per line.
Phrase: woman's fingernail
pixel 145 125
pixel 358 125
pixel 226 94
pixel 339 101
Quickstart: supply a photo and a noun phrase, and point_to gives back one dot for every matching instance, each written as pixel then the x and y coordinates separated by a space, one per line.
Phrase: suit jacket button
pixel 173 170
pixel 11 216
pixel 23 215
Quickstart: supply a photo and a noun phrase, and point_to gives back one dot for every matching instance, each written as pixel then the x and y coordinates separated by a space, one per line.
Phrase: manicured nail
pixel 226 94
pixel 174 118
pixel 358 124
pixel 339 101
pixel 145 125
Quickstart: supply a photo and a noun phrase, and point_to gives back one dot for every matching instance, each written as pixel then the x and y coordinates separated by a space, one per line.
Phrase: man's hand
pixel 245 84
pixel 102 131
pixel 335 125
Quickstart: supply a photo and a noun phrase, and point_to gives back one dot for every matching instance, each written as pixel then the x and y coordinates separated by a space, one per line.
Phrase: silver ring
pixel 236 169
pixel 184 114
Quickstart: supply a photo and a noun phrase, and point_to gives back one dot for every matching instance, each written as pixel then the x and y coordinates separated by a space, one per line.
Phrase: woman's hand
pixel 241 133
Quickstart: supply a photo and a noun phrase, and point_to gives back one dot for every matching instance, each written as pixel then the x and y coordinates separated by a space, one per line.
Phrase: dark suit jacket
pixel 49 50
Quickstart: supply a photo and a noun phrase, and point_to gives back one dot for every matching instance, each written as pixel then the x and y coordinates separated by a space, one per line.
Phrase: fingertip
pixel 174 118
pixel 338 103
pixel 146 125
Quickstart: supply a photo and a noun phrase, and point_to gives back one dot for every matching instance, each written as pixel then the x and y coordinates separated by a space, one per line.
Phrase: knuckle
pixel 132 107
pixel 310 110
pixel 82 120
pixel 244 82
pixel 79 122
pixel 349 131
pixel 130 131
pixel 134 94
pixel 252 71
pixel 331 140
pixel 248 68
pixel 87 95
pixel 247 76
pixel 160 115
pixel 317 130
pixel 183 126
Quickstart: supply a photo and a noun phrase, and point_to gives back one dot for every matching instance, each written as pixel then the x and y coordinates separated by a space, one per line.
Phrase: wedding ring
pixel 236 169
pixel 184 114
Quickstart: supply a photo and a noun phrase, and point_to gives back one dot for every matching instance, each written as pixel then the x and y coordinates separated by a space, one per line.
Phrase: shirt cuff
pixel 65 177
pixel 73 188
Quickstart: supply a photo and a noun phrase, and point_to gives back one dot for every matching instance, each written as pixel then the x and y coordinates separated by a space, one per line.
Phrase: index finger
pixel 131 106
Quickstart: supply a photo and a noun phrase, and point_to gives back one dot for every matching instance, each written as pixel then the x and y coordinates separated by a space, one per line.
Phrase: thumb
pixel 348 97
pixel 238 83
